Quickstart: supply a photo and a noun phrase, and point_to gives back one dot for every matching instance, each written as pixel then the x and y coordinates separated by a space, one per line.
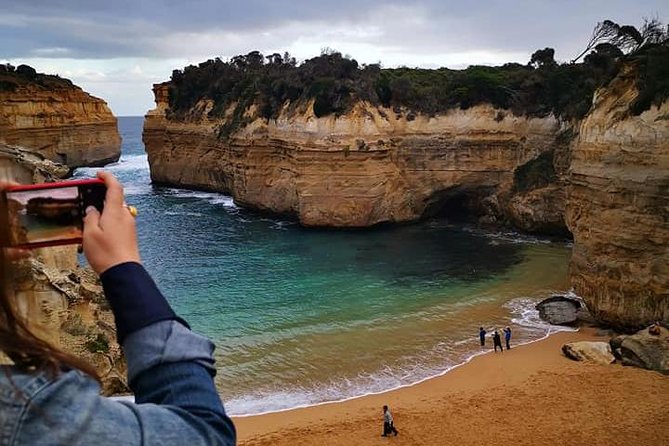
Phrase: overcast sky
pixel 116 49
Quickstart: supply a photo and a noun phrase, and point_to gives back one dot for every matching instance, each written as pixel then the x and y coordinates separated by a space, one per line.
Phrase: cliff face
pixel 369 166
pixel 66 125
pixel 62 302
pixel 618 209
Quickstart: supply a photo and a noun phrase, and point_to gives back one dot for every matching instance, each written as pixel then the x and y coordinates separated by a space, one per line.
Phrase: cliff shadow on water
pixel 428 252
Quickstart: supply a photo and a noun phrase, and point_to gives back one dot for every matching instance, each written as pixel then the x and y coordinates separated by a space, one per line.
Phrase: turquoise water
pixel 302 316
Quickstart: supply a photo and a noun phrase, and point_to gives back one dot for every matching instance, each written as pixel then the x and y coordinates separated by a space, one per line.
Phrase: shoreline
pixel 486 384
pixel 467 360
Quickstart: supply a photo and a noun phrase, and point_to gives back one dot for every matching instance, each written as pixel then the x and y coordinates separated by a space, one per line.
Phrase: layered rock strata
pixel 618 209
pixel 66 125
pixel 63 302
pixel 370 166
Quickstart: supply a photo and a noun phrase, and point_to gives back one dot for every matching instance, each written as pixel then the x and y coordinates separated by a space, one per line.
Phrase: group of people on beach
pixel 496 338
pixel 389 427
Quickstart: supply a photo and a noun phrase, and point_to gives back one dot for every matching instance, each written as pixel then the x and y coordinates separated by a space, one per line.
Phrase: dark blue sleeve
pixel 188 387
pixel 168 364
pixel 135 299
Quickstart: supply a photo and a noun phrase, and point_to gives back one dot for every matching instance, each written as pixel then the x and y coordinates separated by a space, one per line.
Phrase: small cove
pixel 305 316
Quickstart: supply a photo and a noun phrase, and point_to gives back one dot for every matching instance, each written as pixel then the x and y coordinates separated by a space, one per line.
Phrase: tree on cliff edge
pixel 627 38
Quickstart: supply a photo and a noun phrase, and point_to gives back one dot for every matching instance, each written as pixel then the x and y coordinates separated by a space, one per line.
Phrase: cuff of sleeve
pixel 134 298
pixel 166 342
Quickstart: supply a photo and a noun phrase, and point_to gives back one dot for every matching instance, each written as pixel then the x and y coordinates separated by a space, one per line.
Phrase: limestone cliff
pixel 58 120
pixel 62 301
pixel 618 208
pixel 369 166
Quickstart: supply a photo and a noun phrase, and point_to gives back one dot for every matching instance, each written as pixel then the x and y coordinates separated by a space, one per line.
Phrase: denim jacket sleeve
pixel 170 370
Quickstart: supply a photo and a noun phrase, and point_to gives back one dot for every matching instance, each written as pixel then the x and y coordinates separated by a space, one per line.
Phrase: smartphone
pixel 48 214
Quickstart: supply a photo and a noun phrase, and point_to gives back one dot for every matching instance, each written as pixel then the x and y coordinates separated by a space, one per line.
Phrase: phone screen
pixel 44 216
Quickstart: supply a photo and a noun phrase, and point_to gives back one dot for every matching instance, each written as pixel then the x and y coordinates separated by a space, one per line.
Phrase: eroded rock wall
pixel 369 166
pixel 66 125
pixel 618 209
pixel 63 302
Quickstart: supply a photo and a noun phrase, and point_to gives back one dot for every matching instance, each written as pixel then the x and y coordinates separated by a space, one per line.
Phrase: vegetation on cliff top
pixel 335 82
pixel 12 78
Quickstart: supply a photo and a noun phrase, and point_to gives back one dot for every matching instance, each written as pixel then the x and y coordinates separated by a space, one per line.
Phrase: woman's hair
pixel 27 351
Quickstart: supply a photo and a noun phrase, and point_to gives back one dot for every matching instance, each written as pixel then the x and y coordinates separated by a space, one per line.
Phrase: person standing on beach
pixel 507 337
pixel 482 334
pixel 497 341
pixel 388 426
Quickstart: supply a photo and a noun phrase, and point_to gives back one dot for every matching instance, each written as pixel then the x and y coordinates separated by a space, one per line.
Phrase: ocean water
pixel 308 316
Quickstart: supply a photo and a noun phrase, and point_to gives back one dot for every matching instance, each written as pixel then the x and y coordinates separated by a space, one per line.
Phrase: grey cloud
pixel 124 28
pixel 127 29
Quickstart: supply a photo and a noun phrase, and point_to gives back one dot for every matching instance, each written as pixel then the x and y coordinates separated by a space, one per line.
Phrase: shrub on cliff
pixel 652 65
pixel 13 77
pixel 646 49
pixel 332 83
pixel 535 173
pixel 99 343
pixel 26 71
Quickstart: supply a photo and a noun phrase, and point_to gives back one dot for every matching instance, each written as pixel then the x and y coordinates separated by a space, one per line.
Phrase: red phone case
pixel 46 186
pixel 55 185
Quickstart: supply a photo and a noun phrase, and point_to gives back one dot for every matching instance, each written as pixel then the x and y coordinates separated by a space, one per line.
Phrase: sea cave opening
pixel 459 204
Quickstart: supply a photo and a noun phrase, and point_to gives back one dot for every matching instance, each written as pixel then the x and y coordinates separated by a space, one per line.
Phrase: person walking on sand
pixel 482 334
pixel 507 337
pixel 497 341
pixel 388 426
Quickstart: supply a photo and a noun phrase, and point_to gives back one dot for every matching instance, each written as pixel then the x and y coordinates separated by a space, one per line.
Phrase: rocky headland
pixel 593 164
pixel 55 118
pixel 372 165
pixel 618 208
pixel 48 126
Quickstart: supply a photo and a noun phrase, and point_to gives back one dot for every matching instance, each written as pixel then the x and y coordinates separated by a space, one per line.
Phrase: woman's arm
pixel 167 363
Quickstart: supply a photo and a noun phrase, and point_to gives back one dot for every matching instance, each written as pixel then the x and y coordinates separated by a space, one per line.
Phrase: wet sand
pixel 530 395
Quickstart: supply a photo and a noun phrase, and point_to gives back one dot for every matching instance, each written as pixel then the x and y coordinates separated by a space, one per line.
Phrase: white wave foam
pixel 130 163
pixel 414 370
pixel 278 400
pixel 211 197
pixel 127 163
pixel 508 237
pixel 410 371
pixel 137 189
pixel 382 381
pixel 189 214
pixel 526 315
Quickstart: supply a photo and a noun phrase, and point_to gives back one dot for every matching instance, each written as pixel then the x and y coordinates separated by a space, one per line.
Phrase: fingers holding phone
pixel 92 212
pixel 110 237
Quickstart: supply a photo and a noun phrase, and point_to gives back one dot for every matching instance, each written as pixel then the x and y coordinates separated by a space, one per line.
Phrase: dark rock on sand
pixel 643 349
pixel 559 310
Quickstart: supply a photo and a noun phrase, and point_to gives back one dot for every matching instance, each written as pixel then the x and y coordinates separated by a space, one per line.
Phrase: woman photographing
pixel 50 397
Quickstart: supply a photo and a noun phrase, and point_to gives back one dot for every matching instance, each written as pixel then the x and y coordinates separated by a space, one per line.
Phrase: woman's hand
pixel 110 238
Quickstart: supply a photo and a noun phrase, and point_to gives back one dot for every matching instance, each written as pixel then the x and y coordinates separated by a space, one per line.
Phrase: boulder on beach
pixel 559 310
pixel 648 349
pixel 597 352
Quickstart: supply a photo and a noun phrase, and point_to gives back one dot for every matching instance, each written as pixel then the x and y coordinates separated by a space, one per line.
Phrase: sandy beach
pixel 529 395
